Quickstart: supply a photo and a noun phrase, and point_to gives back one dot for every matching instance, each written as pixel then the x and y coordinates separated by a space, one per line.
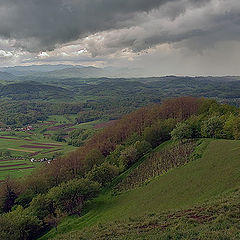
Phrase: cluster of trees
pixel 59 136
pixel 214 121
pixel 26 220
pixel 106 154
pixel 21 113
pixel 127 154
pixel 79 136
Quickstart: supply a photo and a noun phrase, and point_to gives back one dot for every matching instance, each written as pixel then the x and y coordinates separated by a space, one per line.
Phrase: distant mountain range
pixel 7 76
pixel 48 73
pixel 62 71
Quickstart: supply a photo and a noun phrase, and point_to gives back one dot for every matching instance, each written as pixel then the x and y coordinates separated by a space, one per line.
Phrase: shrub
pixel 9 191
pixel 181 132
pixel 213 127
pixel 229 127
pixel 113 157
pixel 236 129
pixel 19 224
pixel 69 197
pixel 133 138
pixel 128 157
pixel 142 148
pixel 78 136
pixel 24 199
pixel 94 157
pixel 41 206
pixel 159 132
pixel 103 174
pixel 195 123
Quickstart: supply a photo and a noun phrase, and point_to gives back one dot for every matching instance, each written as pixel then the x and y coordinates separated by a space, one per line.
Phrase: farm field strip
pixel 35 146
pixel 48 144
pixel 55 150
pixel 14 165
pixel 21 150
pixel 11 163
pixel 9 138
pixel 15 139
pixel 58 127
pixel 14 169
pixel 7 160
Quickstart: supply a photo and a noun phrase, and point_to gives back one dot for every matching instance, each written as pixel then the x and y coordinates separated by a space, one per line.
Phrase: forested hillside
pixel 105 98
pixel 123 157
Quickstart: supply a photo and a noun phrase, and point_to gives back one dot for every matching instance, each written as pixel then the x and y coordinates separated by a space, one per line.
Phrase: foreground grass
pixel 217 219
pixel 216 172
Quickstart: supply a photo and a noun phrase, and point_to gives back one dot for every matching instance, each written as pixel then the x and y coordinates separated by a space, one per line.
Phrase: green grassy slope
pixel 215 220
pixel 216 172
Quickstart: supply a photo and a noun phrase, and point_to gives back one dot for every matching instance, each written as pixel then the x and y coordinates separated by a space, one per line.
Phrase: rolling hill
pixel 33 90
pixel 204 179
pixel 7 76
pixel 62 71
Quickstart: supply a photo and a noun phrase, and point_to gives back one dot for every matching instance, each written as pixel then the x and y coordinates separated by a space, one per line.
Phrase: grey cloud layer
pixel 117 30
pixel 47 23
pixel 196 27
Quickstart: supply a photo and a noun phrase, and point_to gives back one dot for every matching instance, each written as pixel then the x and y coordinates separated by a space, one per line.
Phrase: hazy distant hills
pixel 34 90
pixel 33 69
pixel 62 71
pixel 7 76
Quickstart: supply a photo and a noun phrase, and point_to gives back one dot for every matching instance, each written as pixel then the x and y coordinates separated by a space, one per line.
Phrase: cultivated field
pixel 17 152
pixel 15 168
pixel 17 148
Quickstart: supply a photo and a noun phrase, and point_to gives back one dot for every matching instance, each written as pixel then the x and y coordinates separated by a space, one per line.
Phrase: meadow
pixel 181 188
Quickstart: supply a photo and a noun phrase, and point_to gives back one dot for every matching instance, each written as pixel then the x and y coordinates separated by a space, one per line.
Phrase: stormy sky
pixel 158 37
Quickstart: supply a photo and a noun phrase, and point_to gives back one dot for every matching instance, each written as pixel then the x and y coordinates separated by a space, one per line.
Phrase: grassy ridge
pixel 215 220
pixel 216 172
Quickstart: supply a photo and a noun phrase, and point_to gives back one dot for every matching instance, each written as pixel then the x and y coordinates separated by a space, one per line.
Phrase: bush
pixel 213 127
pixel 19 224
pixel 78 136
pixel 69 197
pixel 24 199
pixel 41 206
pixel 181 132
pixel 195 123
pixel 103 174
pixel 229 126
pixel 128 157
pixel 159 132
pixel 142 148
pixel 236 129
pixel 59 136
pixel 113 157
pixel 133 138
pixel 9 191
pixel 94 157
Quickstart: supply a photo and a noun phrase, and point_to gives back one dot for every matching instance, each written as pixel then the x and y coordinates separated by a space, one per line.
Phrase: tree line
pixel 63 187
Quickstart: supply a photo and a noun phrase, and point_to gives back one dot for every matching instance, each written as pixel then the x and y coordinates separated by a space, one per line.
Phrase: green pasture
pixel 61 119
pixel 216 172
pixel 7 168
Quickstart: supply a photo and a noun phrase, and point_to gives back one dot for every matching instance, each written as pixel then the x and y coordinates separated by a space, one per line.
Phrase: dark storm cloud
pixel 43 24
pixel 183 23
